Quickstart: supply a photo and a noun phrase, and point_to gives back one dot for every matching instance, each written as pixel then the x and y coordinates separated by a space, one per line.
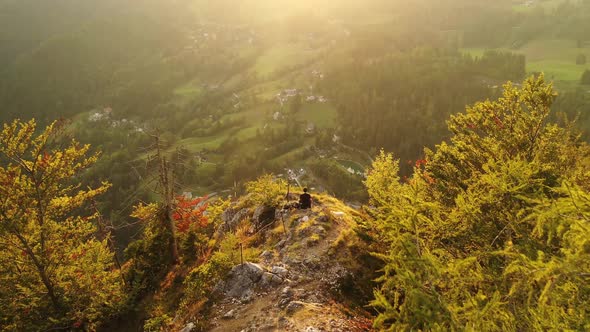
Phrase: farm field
pixel 283 56
pixel 527 6
pixel 321 115
pixel 554 57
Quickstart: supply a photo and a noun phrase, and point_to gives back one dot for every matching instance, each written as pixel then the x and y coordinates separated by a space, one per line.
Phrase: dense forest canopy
pixel 432 83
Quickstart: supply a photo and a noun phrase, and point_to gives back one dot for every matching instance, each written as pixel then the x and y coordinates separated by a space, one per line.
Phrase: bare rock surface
pixel 293 285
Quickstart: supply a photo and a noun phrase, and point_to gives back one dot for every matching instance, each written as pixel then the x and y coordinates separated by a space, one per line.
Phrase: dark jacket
pixel 305 201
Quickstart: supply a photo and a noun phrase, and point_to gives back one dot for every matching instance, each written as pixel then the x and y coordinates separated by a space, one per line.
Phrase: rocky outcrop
pixel 263 216
pixel 302 270
pixel 189 327
pixel 231 218
pixel 242 279
pixel 245 279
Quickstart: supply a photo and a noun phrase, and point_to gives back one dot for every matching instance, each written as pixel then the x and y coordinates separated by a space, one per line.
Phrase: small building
pixel 290 92
pixel 96 117
pixel 104 115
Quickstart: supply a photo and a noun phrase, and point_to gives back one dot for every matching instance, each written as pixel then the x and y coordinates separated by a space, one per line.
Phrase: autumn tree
pixel 193 227
pixel 54 272
pixel 491 232
pixel 149 257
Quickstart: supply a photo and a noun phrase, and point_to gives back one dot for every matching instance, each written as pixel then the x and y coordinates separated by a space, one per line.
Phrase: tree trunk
pixel 42 273
pixel 172 229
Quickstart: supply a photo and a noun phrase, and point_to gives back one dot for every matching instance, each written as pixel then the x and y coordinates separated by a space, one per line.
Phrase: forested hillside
pixel 43 20
pixel 374 98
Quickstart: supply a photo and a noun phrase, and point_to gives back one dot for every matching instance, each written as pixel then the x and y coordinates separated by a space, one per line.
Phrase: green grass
pixel 187 92
pixel 558 71
pixel 253 119
pixel 199 143
pixel 268 90
pixel 246 133
pixel 557 59
pixel 552 49
pixel 256 116
pixel 322 115
pixel 547 5
pixel 554 57
pixel 283 56
pixel 289 155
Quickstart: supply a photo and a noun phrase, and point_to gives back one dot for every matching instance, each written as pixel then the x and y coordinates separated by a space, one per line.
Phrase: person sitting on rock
pixel 305 200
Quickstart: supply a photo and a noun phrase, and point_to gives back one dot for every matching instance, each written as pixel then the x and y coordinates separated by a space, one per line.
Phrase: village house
pixel 290 92
pixel 96 117
pixel 105 114
pixel 284 95
pixel 317 74
pixel 237 101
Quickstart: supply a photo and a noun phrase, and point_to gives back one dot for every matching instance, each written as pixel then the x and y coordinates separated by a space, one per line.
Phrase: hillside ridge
pixel 304 279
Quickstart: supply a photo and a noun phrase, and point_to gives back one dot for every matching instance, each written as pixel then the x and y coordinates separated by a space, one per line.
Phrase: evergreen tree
pixel 54 272
pixel 491 233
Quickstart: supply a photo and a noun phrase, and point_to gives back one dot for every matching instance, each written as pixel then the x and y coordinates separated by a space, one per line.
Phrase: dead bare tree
pixel 166 191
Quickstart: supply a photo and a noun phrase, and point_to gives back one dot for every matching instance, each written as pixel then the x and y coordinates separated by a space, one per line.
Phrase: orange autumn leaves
pixel 190 212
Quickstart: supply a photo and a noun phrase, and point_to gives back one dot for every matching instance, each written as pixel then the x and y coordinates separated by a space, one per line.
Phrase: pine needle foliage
pixel 491 232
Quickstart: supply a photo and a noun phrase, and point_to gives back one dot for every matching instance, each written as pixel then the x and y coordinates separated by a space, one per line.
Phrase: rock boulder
pixel 263 216
pixel 242 279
